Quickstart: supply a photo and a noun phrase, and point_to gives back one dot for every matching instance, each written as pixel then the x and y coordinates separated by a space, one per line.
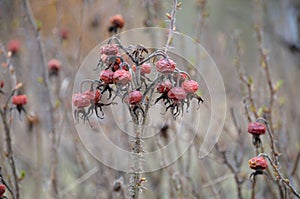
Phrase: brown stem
pixel 253 189
pixel 172 25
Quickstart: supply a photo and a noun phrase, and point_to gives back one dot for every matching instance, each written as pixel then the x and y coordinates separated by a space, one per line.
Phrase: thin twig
pixel 172 25
pixel 279 176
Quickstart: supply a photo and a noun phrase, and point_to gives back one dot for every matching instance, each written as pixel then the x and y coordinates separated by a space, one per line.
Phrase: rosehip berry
pixel 122 77
pixel 256 128
pixel 93 96
pixel 117 21
pixel 109 49
pixel 19 100
pixel 165 65
pixel 177 93
pixel 81 100
pixel 145 68
pixel 164 87
pixel 190 86
pixel 135 97
pixel 13 46
pixel 54 66
pixel 2 84
pixel 2 190
pixel 107 76
pixel 64 34
pixel 258 163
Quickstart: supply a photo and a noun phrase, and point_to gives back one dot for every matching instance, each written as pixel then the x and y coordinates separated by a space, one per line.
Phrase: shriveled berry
pixel 81 100
pixel 165 65
pixel 109 49
pixel 19 100
pixel 117 21
pixel 94 96
pixel 164 87
pixel 122 77
pixel 177 93
pixel 135 97
pixel 145 68
pixel 107 76
pixel 256 128
pixel 258 163
pixel 54 66
pixel 13 46
pixel 190 86
pixel 2 190
pixel 64 34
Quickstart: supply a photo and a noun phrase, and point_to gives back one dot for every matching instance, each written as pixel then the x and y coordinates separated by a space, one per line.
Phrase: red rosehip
pixel 2 84
pixel 164 87
pixel 258 163
pixel 81 100
pixel 122 77
pixel 19 100
pixel 13 46
pixel 135 97
pixel 165 65
pixel 93 96
pixel 177 93
pixel 117 21
pixel 190 86
pixel 107 76
pixel 256 128
pixel 145 68
pixel 54 66
pixel 64 34
pixel 2 190
pixel 109 49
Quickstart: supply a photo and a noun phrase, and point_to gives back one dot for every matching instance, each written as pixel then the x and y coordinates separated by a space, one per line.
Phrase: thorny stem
pixel 279 175
pixel 53 136
pixel 243 77
pixel 172 25
pixel 7 128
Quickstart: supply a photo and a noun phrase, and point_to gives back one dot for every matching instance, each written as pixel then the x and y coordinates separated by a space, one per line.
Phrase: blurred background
pixel 46 146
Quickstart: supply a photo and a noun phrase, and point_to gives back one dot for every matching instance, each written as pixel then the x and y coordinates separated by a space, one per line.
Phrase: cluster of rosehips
pixel 128 72
pixel 259 164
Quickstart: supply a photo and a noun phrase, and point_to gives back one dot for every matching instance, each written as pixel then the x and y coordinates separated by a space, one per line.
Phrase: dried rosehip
pixel 145 68
pixel 54 67
pixel 164 87
pixel 177 93
pixel 109 49
pixel 64 34
pixel 2 190
pixel 190 86
pixel 135 97
pixel 19 100
pixel 81 100
pixel 165 65
pixel 122 77
pixel 117 21
pixel 93 96
pixel 256 128
pixel 107 76
pixel 13 46
pixel 258 163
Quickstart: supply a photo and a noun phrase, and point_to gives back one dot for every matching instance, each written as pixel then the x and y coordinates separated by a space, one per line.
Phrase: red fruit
pixel 122 77
pixel 107 76
pixel 2 190
pixel 81 100
pixel 190 86
pixel 145 68
pixel 2 84
pixel 109 49
pixel 54 66
pixel 258 163
pixel 135 97
pixel 117 21
pixel 256 128
pixel 164 87
pixel 19 100
pixel 64 34
pixel 177 93
pixel 93 96
pixel 13 46
pixel 165 65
